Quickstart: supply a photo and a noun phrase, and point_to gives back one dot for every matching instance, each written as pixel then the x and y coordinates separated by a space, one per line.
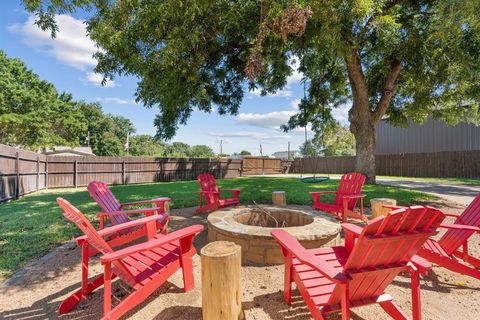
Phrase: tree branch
pixel 389 88
pixel 357 80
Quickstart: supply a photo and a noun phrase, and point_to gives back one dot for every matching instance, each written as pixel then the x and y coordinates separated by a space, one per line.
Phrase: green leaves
pixel 32 113
pixel 192 54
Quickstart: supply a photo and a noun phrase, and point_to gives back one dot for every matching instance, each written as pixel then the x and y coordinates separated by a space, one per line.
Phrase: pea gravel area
pixel 36 291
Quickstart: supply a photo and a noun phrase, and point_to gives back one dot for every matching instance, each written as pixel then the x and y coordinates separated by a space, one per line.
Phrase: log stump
pixel 377 206
pixel 221 288
pixel 279 199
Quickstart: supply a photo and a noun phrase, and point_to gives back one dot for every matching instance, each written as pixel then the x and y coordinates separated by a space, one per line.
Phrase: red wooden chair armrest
pixel 460 227
pixel 127 204
pixel 346 197
pixel 205 192
pixel 422 264
pixel 323 192
pixel 120 227
pixel 176 235
pixel 135 211
pixel 351 228
pixel 292 245
pixel 229 190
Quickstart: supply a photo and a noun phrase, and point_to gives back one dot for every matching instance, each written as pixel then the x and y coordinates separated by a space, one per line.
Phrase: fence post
pixel 38 174
pixel 46 172
pixel 17 172
pixel 75 173
pixel 221 168
pixel 263 166
pixel 123 172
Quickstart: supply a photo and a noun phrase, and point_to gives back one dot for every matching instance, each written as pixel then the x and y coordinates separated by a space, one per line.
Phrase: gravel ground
pixel 36 291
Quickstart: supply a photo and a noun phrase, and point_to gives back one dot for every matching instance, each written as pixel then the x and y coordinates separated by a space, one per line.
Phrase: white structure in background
pixel 284 154
pixel 69 151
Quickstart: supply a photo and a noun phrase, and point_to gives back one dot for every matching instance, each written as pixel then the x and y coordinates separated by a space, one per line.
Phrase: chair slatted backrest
pixel 94 239
pixel 453 239
pixel 208 183
pixel 384 248
pixel 103 196
pixel 350 184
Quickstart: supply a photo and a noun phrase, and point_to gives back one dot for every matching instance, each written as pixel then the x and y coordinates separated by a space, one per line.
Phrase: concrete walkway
pixel 459 193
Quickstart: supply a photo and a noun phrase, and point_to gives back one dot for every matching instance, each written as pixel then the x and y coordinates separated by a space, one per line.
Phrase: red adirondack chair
pixel 144 267
pixel 357 274
pixel 453 245
pixel 211 193
pixel 116 213
pixel 346 198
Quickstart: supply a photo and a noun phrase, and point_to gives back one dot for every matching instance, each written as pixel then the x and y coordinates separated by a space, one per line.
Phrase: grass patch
pixel 33 225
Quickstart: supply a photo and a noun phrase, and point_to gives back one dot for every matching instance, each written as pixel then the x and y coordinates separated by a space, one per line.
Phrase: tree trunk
pixel 365 140
pixel 363 119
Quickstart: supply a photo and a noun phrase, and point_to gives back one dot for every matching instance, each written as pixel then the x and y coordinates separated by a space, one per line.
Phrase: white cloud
pixel 341 114
pixel 96 80
pixel 265 120
pixel 71 46
pixel 279 93
pixel 296 75
pixel 295 103
pixel 114 100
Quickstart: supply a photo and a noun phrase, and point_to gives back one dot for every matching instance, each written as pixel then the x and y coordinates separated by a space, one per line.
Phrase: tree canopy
pixel 396 58
pixel 32 113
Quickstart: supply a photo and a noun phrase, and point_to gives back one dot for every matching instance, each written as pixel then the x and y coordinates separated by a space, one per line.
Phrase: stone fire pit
pixel 250 226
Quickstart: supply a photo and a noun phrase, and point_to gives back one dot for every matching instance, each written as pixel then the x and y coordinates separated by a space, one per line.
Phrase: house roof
pixel 69 151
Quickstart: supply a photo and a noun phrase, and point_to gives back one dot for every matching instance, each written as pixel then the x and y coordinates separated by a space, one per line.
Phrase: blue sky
pixel 67 62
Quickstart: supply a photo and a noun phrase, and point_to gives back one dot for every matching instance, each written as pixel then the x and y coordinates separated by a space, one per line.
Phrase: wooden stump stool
pixel 221 294
pixel 279 199
pixel 377 206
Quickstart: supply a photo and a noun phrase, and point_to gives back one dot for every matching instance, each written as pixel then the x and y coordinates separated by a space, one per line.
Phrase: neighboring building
pixel 69 151
pixel 432 136
pixel 285 154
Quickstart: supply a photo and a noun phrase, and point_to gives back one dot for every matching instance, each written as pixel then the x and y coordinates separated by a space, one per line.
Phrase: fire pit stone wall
pixel 250 228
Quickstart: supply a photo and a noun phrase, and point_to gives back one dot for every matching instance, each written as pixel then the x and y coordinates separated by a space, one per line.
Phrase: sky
pixel 67 62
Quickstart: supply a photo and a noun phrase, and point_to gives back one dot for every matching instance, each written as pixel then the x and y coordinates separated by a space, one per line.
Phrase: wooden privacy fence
pixel 64 171
pixel 23 172
pixel 261 165
pixel 449 164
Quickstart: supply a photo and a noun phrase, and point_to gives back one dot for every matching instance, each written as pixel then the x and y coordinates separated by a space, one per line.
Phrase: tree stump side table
pixel 279 199
pixel 377 206
pixel 221 294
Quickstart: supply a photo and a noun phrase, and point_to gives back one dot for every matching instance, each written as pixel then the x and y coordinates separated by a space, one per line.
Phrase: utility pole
pixel 288 151
pixel 221 146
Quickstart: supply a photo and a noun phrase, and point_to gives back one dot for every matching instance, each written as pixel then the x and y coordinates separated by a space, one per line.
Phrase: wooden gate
pixel 261 165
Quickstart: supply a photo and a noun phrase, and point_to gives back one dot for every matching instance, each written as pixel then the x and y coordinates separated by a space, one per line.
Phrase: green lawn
pixel 34 224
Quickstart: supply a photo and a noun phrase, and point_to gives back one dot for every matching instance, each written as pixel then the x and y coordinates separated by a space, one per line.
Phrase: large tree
pixel 33 115
pixel 401 59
